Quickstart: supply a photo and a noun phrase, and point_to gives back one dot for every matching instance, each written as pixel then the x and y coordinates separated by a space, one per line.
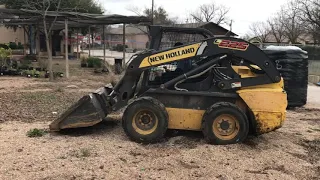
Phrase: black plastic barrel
pixel 292 63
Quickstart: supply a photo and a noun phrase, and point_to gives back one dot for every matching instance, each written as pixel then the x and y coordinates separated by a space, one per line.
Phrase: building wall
pixel 133 41
pixel 113 39
pixel 314 71
pixel 314 67
pixel 139 41
pixel 9 35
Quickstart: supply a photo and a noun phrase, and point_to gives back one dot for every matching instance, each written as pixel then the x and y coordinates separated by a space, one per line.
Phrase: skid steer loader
pixel 189 80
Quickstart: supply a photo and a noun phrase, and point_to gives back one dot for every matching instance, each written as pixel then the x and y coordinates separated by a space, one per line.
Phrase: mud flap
pixel 88 111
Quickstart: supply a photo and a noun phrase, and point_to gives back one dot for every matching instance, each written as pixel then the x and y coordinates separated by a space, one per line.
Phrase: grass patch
pixel 85 153
pixel 82 153
pixel 59 89
pixel 36 132
pixel 39 96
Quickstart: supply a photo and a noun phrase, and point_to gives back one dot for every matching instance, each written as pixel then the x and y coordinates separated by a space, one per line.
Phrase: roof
pixel 130 30
pixel 213 27
pixel 75 19
pixel 134 29
pixel 191 25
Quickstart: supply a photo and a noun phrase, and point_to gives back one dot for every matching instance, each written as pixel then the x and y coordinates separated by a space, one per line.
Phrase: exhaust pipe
pixel 88 111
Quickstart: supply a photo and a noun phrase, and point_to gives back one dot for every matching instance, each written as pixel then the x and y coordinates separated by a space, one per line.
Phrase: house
pixel 137 38
pixel 9 35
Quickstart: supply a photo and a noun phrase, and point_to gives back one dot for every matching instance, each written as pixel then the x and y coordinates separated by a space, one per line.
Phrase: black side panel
pixel 187 101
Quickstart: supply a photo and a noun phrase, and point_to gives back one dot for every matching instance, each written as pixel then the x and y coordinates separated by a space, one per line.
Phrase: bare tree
pixel 260 30
pixel 310 10
pixel 311 15
pixel 212 12
pixel 289 17
pixel 160 16
pixel 43 6
pixel 246 37
pixel 314 30
pixel 277 29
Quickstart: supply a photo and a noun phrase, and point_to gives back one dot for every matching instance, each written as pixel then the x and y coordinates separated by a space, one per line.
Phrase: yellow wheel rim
pixel 144 122
pixel 226 127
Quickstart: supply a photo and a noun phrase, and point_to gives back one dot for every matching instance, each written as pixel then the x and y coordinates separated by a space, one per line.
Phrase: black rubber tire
pixel 152 105
pixel 224 108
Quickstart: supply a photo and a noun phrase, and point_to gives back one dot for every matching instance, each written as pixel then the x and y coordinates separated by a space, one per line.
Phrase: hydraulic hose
pixel 191 77
pixel 190 73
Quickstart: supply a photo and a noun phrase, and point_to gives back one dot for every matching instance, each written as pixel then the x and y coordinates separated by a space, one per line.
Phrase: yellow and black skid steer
pixel 189 80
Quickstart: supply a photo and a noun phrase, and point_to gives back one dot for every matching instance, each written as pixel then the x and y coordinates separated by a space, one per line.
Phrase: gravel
pixel 104 152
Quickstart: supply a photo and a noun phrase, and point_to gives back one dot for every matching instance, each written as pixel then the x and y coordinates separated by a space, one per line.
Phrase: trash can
pixel 292 63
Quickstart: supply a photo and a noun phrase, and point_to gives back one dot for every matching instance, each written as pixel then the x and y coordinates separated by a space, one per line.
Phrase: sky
pixel 243 13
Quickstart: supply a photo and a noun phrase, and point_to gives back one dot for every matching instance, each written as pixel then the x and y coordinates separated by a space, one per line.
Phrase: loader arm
pixel 214 50
pixel 211 49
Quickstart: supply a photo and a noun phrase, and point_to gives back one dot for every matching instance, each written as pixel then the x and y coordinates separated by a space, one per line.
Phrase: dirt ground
pixel 104 152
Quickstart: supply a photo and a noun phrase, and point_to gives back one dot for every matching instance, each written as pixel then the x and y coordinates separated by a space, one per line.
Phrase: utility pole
pixel 152 12
pixel 66 44
pixel 231 25
pixel 124 46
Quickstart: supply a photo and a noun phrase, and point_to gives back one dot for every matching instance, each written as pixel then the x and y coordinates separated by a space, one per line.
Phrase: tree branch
pixel 210 13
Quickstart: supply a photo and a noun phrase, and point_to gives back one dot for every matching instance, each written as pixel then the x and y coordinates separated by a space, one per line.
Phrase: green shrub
pixel 82 153
pixel 31 73
pixel 94 62
pixel 23 66
pixel 26 62
pixel 13 45
pixel 20 46
pixel 4 46
pixel 119 47
pixel 4 55
pixel 84 62
pixel 36 133
pixel 90 62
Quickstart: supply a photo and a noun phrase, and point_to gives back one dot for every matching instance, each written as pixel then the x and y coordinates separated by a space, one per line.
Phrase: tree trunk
pixel 124 46
pixel 38 43
pixel 25 42
pixel 48 42
pixel 49 60
pixel 66 46
pixel 89 40
pixel 49 55
pixel 78 45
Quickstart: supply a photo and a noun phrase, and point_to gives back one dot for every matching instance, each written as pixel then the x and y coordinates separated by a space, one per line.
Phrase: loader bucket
pixel 88 111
